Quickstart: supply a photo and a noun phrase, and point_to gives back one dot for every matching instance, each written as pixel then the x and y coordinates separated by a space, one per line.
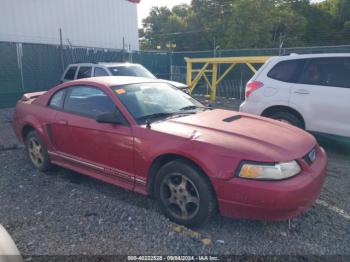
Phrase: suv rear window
pixel 287 71
pixel 70 73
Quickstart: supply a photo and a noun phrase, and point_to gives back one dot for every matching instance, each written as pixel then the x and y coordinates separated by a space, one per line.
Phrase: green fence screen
pixel 26 67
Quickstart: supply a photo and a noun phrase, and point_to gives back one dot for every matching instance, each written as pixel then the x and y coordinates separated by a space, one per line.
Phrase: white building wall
pixel 91 23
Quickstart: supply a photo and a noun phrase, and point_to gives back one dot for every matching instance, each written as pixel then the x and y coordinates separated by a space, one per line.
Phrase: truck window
pixel 84 72
pixel 100 72
pixel 70 73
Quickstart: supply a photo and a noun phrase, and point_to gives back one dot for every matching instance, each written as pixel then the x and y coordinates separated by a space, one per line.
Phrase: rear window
pixel 70 73
pixel 131 70
pixel 287 71
pixel 84 72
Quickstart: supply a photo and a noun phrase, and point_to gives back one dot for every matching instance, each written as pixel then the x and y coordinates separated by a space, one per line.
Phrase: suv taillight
pixel 251 87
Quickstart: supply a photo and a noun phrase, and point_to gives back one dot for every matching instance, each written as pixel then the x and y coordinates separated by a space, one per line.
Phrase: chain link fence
pixel 26 67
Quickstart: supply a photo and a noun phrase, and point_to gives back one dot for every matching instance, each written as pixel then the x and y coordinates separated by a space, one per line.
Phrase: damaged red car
pixel 151 138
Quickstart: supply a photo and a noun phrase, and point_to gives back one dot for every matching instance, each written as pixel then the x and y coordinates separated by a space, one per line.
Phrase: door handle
pixel 63 122
pixel 302 92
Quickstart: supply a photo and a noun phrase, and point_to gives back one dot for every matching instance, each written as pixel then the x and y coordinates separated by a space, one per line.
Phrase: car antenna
pixel 148 124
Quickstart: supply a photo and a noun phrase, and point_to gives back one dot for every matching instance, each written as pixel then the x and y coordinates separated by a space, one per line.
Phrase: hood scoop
pixel 232 118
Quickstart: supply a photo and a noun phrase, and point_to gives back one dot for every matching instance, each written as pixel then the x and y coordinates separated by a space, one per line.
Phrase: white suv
pixel 309 91
pixel 85 70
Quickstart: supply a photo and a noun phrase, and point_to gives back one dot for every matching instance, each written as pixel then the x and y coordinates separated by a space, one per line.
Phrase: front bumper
pixel 273 200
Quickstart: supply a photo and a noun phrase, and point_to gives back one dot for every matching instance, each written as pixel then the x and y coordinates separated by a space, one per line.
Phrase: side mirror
pixel 110 118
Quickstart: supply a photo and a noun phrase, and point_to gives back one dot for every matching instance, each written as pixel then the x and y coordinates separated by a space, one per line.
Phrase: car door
pixel 106 148
pixel 322 95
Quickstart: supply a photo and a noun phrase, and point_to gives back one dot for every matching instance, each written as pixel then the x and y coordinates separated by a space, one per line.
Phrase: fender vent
pixel 232 118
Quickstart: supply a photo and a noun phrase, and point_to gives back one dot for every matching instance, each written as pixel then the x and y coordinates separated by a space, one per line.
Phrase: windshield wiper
pixel 155 115
pixel 194 107
pixel 164 115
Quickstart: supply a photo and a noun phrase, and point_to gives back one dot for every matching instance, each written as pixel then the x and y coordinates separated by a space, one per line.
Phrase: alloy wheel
pixel 36 152
pixel 180 196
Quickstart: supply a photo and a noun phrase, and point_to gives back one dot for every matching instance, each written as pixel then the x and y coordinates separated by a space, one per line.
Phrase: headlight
pixel 276 171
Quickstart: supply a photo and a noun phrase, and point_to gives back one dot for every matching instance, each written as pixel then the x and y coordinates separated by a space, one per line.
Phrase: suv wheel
pixel 287 117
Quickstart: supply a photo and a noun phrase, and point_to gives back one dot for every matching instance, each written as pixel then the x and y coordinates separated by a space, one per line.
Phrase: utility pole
pixel 123 51
pixel 281 43
pixel 171 46
pixel 214 44
pixel 61 51
pixel 130 54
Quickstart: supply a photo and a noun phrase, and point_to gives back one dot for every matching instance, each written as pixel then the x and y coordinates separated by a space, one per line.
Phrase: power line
pixel 179 33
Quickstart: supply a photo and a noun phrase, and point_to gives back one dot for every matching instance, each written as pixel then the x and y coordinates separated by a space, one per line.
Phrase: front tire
pixel 37 151
pixel 184 194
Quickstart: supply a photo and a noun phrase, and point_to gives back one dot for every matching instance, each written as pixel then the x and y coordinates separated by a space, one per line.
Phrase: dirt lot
pixel 62 212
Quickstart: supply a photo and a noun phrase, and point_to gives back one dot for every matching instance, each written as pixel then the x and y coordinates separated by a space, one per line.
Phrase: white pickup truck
pixel 85 70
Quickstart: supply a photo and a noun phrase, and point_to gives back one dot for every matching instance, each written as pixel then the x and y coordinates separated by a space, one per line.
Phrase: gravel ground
pixel 63 213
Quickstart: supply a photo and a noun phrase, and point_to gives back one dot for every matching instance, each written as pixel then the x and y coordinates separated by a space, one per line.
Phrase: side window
pixel 88 101
pixel 327 72
pixel 100 72
pixel 70 73
pixel 287 71
pixel 57 99
pixel 84 72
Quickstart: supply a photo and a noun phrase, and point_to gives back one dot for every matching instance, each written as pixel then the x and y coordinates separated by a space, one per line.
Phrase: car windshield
pixel 131 70
pixel 156 101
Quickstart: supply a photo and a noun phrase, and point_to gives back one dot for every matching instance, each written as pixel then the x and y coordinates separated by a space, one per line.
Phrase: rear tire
pixel 287 117
pixel 184 194
pixel 37 151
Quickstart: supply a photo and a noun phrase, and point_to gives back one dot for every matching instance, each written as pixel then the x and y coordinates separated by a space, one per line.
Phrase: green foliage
pixel 247 24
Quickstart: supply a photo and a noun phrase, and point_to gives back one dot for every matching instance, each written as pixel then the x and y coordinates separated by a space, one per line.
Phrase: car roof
pixel 106 64
pixel 304 56
pixel 117 80
pixel 109 64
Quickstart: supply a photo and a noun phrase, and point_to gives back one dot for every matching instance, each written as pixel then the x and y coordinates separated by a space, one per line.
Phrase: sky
pixel 145 6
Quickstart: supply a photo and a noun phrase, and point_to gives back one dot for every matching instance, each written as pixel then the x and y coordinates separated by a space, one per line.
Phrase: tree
pixel 339 11
pixel 248 24
pixel 289 25
pixel 165 26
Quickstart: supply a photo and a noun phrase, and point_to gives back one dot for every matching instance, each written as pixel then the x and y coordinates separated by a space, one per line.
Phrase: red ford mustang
pixel 151 138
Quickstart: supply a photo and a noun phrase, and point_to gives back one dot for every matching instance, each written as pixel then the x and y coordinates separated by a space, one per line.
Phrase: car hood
pixel 176 84
pixel 246 136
